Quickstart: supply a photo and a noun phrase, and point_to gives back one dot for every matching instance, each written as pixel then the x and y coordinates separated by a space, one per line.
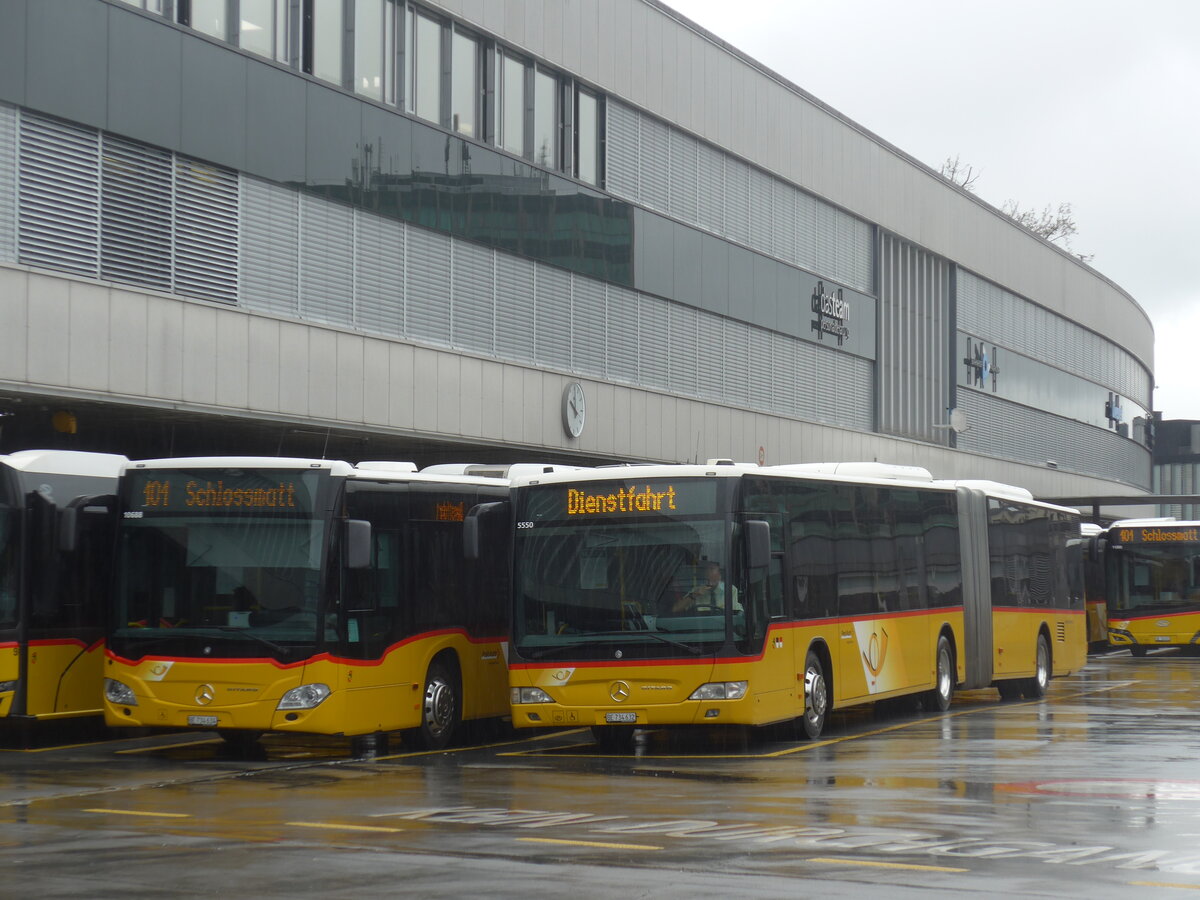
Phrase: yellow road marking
pixel 519 740
pixel 136 812
pixel 213 740
pixel 1166 884
pixel 605 845
pixel 339 826
pixel 881 865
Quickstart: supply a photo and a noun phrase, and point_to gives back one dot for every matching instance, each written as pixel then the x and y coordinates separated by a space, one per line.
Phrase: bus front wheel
pixel 816 697
pixel 441 709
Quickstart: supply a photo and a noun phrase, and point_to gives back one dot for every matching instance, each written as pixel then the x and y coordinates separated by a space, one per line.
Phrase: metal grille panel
pixel 206 230
pixel 59 196
pixel 621 160
pixel 270 242
pixel 427 286
pixel 552 319
pixel 8 183
pixel 135 233
pixel 590 316
pixel 326 262
pixel 474 307
pixel 379 274
pixel 516 309
pixel 622 336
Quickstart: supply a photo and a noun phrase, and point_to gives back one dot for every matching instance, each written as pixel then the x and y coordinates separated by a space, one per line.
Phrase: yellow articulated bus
pixel 734 594
pixel 1152 569
pixel 1094 590
pixel 53 565
pixel 294 595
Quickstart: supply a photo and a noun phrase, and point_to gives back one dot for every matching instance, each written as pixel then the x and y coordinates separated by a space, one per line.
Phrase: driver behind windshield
pixel 710 595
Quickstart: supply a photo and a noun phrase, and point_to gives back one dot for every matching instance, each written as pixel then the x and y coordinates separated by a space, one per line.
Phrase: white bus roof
pixel 1151 522
pixel 66 462
pixel 373 470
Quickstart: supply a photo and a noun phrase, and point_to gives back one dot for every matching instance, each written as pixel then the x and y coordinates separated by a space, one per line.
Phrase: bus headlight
pixel 720 690
pixel 307 696
pixel 529 695
pixel 119 693
pixel 6 686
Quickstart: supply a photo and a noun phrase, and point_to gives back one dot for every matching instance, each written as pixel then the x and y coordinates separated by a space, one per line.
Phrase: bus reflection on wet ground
pixel 1092 790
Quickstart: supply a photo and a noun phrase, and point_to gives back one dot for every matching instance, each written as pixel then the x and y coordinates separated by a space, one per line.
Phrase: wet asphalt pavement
pixel 1093 791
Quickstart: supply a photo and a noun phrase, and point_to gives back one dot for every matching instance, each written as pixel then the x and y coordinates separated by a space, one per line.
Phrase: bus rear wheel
pixel 938 700
pixel 1035 688
pixel 441 709
pixel 816 697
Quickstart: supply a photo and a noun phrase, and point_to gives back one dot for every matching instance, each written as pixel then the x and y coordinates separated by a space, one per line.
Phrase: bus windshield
pixel 225 575
pixel 1150 579
pixel 647 582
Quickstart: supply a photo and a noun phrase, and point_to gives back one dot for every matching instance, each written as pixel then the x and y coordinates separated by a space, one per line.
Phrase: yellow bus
pixel 1094 592
pixel 1152 569
pixel 296 595
pixel 726 593
pixel 53 565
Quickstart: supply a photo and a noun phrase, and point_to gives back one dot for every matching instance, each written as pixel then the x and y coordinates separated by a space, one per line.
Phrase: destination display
pixel 1159 534
pixel 267 491
pixel 623 500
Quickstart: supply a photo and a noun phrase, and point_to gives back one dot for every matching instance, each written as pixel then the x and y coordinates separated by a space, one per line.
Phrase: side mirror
pixel 472 536
pixel 68 529
pixel 74 518
pixel 758 543
pixel 358 544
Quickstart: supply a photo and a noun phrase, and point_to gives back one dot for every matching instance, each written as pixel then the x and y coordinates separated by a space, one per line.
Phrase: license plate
pixel 203 721
pixel 1164 638
pixel 620 718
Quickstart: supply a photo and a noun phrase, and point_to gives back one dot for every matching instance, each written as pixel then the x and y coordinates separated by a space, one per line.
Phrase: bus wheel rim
pixel 439 706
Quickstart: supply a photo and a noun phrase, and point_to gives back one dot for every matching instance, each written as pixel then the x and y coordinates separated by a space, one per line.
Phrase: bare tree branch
pixel 960 173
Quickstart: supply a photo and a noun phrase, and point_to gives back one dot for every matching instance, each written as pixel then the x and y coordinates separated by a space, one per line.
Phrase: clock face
pixel 573 409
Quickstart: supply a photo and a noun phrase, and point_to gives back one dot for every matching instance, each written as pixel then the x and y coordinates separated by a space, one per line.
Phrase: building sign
pixel 833 313
pixel 981 366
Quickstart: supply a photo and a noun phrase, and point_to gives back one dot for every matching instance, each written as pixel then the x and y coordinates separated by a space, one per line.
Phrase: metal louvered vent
pixel 206 230
pixel 8 183
pixel 326 261
pixel 135 234
pixel 270 240
pixel 59 196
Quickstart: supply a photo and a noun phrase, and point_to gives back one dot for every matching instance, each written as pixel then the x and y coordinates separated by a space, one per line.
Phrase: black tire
pixel 1035 688
pixel 441 709
pixel 816 697
pixel 614 738
pixel 938 700
pixel 1138 650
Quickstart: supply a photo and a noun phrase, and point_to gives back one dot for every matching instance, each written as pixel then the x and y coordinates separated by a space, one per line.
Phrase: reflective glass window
pixel 511 132
pixel 427 68
pixel 262 28
pixel 208 16
pixel 545 120
pixel 327 40
pixel 464 81
pixel 587 138
pixel 368 48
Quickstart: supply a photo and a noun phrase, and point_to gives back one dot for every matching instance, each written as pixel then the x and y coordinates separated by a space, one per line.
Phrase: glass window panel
pixel 256 29
pixel 428 69
pixel 327 40
pixel 512 105
pixel 463 82
pixel 545 120
pixel 389 51
pixel 209 16
pixel 368 48
pixel 587 139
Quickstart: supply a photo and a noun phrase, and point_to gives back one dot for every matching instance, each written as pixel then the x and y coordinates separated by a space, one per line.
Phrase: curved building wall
pixel 307 255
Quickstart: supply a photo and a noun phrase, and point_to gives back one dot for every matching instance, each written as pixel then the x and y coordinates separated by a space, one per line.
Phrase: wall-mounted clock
pixel 573 409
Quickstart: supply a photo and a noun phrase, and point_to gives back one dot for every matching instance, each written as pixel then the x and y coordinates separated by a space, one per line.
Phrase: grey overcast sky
pixel 1091 102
